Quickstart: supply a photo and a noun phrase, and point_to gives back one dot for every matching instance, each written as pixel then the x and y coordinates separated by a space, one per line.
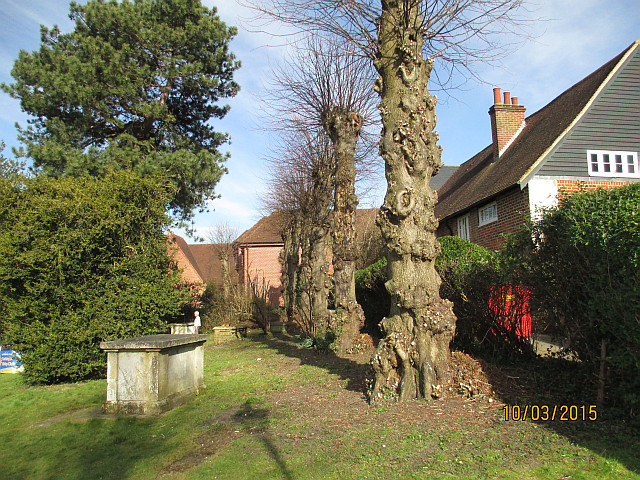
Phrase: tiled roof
pixel 202 257
pixel 445 173
pixel 182 245
pixel 207 261
pixel 268 229
pixel 478 179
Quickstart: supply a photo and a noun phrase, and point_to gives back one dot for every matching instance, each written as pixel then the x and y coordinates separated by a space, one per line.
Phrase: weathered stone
pixel 182 328
pixel 226 334
pixel 149 375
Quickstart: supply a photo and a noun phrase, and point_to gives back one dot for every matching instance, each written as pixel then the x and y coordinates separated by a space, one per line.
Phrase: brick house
pixel 199 262
pixel 257 256
pixel 589 135
pixel 257 251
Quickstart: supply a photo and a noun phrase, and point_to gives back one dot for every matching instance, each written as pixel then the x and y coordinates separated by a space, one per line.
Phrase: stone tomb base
pixel 153 374
pixel 228 334
pixel 182 328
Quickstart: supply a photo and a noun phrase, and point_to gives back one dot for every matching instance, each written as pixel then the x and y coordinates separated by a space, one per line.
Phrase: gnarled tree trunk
pixel 290 258
pixel 315 238
pixel 415 350
pixel 314 281
pixel 344 129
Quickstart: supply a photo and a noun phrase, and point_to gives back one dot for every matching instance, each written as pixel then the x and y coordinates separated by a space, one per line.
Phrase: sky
pixel 574 38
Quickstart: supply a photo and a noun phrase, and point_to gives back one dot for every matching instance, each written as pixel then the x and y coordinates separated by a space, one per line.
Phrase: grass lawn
pixel 274 410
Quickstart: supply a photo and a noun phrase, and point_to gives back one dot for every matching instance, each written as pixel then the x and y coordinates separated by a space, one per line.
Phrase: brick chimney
pixel 507 121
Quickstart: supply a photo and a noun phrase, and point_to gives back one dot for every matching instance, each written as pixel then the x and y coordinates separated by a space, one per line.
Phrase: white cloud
pixel 226 207
pixel 578 37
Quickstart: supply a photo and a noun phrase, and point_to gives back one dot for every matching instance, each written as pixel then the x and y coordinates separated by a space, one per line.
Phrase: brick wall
pixel 506 119
pixel 189 273
pixel 567 187
pixel 261 264
pixel 264 265
pixel 513 208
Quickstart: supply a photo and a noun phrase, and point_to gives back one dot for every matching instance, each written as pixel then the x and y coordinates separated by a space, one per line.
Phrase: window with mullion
pixel 609 163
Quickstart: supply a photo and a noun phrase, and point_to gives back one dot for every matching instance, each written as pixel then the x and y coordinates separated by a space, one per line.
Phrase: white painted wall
pixel 543 193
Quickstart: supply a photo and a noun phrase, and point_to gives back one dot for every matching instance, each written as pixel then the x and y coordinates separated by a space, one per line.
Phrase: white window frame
pixel 619 163
pixel 464 227
pixel 488 214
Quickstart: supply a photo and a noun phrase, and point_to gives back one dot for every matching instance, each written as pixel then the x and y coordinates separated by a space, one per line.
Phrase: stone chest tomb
pixel 149 375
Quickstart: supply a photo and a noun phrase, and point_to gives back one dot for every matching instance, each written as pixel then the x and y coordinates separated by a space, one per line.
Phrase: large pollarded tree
pixel 323 88
pixel 404 38
pixel 300 188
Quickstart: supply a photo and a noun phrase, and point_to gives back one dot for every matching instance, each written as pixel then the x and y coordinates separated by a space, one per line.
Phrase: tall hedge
pixel 470 275
pixel 81 261
pixel 586 274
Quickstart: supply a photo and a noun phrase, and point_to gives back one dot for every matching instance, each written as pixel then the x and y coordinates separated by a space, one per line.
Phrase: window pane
pixel 594 162
pixel 631 166
pixel 463 228
pixel 606 163
pixel 618 163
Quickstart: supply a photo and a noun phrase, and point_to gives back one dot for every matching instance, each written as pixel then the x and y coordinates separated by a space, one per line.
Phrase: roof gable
pixel 268 229
pixel 179 243
pixel 479 179
pixel 202 257
pixel 609 121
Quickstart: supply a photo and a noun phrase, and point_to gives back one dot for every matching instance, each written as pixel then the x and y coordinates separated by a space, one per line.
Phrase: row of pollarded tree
pixel 401 39
pixel 321 103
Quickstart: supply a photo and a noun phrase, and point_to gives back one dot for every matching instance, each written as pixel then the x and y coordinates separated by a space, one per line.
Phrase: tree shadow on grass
pixel 249 418
pixel 97 447
pixel 559 384
pixel 351 370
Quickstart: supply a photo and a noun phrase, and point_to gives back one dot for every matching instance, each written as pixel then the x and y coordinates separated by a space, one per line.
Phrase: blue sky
pixel 577 37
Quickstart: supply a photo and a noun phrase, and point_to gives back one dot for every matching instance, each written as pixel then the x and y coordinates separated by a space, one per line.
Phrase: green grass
pixel 234 430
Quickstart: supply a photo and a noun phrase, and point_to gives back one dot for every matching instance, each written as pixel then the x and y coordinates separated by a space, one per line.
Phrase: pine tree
pixel 133 87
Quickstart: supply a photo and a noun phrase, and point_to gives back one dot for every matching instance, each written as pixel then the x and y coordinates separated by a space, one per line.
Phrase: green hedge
pixel 81 261
pixel 475 280
pixel 585 265
pixel 469 272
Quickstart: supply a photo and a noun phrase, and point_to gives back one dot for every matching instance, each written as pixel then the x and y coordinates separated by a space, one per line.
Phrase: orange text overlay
pixel 563 413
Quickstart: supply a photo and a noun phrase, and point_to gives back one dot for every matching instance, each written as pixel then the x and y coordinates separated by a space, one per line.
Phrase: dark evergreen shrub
pixel 372 295
pixel 585 265
pixel 82 261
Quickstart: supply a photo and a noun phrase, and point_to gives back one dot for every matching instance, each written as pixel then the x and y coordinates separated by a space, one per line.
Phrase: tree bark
pixel 344 129
pixel 314 282
pixel 290 262
pixel 314 235
pixel 320 282
pixel 420 325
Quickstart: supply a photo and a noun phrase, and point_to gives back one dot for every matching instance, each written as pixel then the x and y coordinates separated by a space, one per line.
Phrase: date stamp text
pixel 563 413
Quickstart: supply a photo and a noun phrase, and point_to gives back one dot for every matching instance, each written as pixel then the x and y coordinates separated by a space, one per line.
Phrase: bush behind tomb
pixel 82 261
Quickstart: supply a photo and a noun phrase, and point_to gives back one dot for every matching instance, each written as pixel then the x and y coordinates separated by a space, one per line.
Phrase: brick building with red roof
pixel 589 135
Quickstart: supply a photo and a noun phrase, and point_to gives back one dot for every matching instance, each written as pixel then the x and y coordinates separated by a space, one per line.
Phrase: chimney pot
pixel 506 121
pixel 496 96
